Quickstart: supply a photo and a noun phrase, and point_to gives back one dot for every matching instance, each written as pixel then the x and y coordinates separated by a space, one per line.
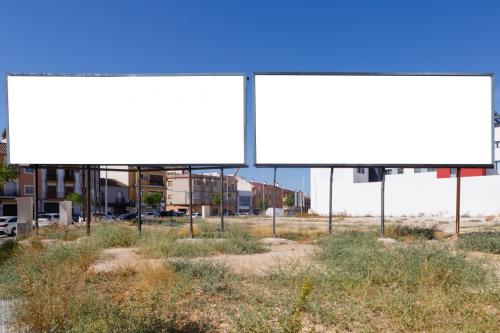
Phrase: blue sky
pixel 244 36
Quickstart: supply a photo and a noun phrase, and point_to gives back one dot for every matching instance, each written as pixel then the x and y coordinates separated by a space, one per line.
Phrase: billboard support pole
pixel 457 215
pixel 330 203
pixel 139 201
pixel 89 200
pixel 190 204
pixel 222 201
pixel 274 204
pixel 382 205
pixel 36 197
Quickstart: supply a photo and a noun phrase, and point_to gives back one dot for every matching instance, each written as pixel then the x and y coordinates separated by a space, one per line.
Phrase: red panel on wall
pixel 473 172
pixel 466 172
pixel 443 172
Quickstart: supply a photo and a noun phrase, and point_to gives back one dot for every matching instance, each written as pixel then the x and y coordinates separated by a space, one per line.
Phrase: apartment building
pixel 117 196
pixel 151 182
pixel 263 197
pixel 205 188
pixel 245 196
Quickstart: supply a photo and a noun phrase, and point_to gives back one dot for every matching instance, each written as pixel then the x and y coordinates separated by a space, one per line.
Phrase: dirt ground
pixel 281 251
pixel 284 251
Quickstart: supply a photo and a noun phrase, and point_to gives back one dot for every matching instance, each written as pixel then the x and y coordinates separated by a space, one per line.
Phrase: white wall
pixel 408 194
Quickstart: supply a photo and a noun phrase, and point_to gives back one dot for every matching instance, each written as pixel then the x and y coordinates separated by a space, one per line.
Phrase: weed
pixel 480 241
pixel 7 249
pixel 402 232
pixel 113 235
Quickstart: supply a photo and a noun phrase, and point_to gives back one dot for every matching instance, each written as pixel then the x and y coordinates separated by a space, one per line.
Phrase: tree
pixel 74 197
pixel 7 173
pixel 289 200
pixel 263 205
pixel 216 199
pixel 152 199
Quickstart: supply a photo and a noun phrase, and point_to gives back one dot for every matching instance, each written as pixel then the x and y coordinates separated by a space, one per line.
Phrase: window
pixel 360 170
pixel 497 165
pixel 119 196
pixel 400 171
pixel 29 189
pixel 388 172
pixel 156 180
pixel 497 144
pixel 29 170
pixel 431 169
pixel 417 170
pixel 170 183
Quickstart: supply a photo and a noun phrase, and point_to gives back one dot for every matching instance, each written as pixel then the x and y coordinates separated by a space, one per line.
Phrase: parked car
pixel 167 213
pixel 196 214
pixel 46 220
pixel 8 225
pixel 127 217
pixel 151 214
pixel 178 214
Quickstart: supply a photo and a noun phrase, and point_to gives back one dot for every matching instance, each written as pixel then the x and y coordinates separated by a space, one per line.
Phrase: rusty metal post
pixel 457 214
pixel 222 200
pixel 139 201
pixel 382 205
pixel 330 203
pixel 274 204
pixel 89 199
pixel 191 234
pixel 36 197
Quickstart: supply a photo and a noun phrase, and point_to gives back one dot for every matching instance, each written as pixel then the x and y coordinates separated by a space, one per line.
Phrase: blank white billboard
pixel 129 120
pixel 370 120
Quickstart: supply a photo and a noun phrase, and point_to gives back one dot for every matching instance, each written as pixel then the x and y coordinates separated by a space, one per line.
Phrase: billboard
pixel 128 120
pixel 373 120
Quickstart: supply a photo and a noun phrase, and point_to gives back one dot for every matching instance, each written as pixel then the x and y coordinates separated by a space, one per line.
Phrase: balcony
pixel 52 174
pixel 156 180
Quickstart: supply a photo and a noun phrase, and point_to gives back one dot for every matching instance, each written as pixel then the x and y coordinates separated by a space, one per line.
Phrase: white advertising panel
pixel 129 120
pixel 370 120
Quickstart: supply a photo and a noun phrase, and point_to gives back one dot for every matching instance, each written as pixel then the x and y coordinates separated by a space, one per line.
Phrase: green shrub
pixel 214 277
pixel 7 249
pixel 411 233
pixel 113 235
pixel 480 241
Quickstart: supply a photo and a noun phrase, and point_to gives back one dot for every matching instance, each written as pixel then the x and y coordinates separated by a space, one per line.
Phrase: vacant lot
pixel 245 281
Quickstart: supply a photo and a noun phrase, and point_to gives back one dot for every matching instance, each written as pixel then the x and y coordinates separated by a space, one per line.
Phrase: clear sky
pixel 244 36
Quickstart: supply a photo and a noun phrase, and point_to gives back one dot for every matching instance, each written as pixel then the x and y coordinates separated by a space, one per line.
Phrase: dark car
pixel 127 217
pixel 166 213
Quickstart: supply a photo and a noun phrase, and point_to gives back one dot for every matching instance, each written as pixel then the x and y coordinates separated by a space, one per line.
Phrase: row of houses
pixel 117 190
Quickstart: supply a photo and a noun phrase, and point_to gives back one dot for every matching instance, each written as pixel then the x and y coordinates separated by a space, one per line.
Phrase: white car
pixel 46 220
pixel 8 225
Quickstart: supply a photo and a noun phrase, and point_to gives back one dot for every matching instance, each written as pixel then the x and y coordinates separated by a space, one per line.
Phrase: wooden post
pixel 457 214
pixel 330 203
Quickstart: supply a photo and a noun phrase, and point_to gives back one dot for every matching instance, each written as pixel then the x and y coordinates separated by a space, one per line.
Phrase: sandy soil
pixel 281 252
pixel 122 257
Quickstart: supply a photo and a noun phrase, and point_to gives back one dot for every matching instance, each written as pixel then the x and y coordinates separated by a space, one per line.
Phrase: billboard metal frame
pixel 209 166
pixel 378 165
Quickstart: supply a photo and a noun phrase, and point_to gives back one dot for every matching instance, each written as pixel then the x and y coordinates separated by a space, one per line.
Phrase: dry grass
pixel 352 284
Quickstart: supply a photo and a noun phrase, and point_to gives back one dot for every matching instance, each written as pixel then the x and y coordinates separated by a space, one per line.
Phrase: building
pixel 117 196
pixel 151 182
pixel 245 196
pixel 417 191
pixel 264 196
pixel 206 188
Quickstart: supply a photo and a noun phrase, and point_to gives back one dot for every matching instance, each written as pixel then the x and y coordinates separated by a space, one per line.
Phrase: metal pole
pixel 274 204
pixel 89 200
pixel 190 204
pixel 36 197
pixel 139 201
pixel 382 205
pixel 106 192
pixel 330 203
pixel 457 215
pixel 222 200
